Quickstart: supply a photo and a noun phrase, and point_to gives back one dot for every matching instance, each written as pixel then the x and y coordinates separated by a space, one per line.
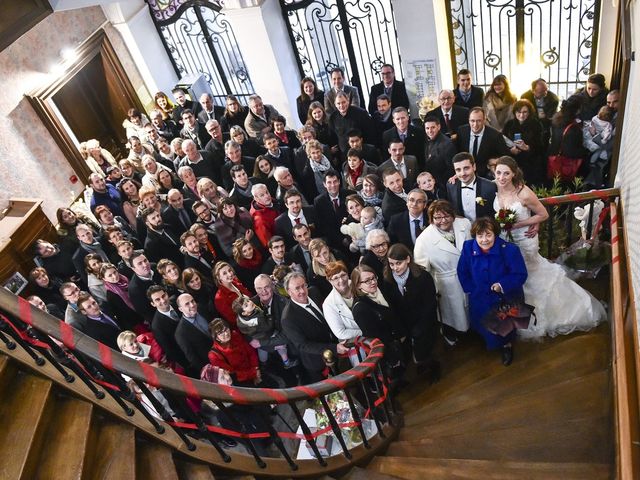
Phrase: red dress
pixel 224 299
pixel 236 357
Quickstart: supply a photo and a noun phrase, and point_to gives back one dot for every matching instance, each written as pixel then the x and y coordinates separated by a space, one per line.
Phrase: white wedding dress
pixel 561 305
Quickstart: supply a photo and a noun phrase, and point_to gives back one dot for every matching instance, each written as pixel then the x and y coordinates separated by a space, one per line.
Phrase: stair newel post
pixel 241 427
pixel 307 433
pixel 194 418
pixel 330 362
pixel 156 404
pixel 335 427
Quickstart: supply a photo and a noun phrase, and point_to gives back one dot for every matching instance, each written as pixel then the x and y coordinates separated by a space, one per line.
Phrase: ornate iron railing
pixel 199 39
pixel 553 39
pixel 357 36
pixel 67 354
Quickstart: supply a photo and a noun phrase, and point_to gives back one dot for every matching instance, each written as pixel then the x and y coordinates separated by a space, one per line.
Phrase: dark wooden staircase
pixel 547 416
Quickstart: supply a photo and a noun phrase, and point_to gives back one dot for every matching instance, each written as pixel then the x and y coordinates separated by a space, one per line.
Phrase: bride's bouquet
pixel 507 218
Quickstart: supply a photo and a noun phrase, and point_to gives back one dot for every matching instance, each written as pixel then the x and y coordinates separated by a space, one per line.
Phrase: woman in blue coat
pixel 488 267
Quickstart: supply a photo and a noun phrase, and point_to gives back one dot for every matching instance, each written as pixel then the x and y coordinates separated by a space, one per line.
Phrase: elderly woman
pixel 356 169
pixel 152 169
pixel 248 146
pixel 375 318
pixel 377 245
pixel 229 288
pixel 438 251
pixel 498 103
pixel 233 222
pixel 321 256
pixel 490 268
pixel 210 193
pixel 134 124
pixel 338 304
pixel 525 130
pixel 98 159
pixel 411 293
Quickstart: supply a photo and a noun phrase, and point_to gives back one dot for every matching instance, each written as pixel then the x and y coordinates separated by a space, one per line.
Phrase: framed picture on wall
pixel 16 283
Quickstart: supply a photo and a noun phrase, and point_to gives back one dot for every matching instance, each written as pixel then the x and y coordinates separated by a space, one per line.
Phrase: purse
pixel 562 166
pixel 509 316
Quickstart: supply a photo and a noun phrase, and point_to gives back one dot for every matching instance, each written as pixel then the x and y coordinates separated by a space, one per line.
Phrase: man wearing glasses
pixel 394 89
pixel 451 116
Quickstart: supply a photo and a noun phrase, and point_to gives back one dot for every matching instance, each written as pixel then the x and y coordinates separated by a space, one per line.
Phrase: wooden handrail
pixel 185 386
pixel 604 194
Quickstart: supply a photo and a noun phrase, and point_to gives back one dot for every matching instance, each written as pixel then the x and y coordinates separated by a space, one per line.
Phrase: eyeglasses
pixel 369 281
pixel 379 245
pixel 440 218
pixel 386 73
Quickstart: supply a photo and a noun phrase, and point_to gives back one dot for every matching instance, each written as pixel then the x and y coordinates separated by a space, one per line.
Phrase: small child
pixel 259 328
pixel 427 183
pixel 130 347
pixel 597 133
pixel 369 220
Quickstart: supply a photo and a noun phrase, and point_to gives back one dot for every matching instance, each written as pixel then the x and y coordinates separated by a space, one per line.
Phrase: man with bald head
pixel 178 214
pixel 209 110
pixel 451 116
pixel 192 335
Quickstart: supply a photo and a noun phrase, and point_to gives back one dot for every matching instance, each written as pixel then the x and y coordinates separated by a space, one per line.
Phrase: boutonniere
pixel 480 201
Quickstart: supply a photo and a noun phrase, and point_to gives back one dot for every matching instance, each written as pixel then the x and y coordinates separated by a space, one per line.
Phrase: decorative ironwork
pixel 199 39
pixel 501 36
pixel 358 36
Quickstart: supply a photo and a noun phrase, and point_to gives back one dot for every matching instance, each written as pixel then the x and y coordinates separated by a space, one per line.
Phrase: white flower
pixel 480 201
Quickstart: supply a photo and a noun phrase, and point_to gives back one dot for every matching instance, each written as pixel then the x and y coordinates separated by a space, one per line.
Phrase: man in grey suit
pixel 337 85
pixel 407 165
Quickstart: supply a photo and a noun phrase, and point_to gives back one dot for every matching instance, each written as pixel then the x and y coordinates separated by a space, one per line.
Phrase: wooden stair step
pixel 8 372
pixel 580 440
pixel 358 473
pixel 486 365
pixel 576 398
pixel 155 460
pixel 193 471
pixel 111 452
pixel 457 469
pixel 524 377
pixel 24 415
pixel 63 455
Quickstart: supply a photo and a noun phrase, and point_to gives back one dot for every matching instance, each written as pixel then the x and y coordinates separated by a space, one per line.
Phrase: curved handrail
pixel 115 361
pixel 603 194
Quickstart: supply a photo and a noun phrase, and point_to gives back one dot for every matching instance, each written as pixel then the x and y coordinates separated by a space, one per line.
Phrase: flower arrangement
pixel 339 406
pixel 507 219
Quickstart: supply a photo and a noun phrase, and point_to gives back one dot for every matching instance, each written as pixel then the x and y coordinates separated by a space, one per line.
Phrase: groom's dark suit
pixel 485 189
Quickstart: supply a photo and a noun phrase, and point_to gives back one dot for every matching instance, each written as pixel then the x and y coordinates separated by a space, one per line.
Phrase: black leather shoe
pixel 227 442
pixel 507 356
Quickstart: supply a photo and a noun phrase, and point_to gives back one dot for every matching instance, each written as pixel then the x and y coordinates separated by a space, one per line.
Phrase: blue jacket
pixel 503 264
pixel 110 198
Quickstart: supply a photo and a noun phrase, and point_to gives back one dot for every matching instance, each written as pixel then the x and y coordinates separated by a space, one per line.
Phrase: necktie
pixel 446 121
pixel 336 205
pixel 399 167
pixel 403 137
pixel 474 151
pixel 108 320
pixel 416 227
pixel 184 218
pixel 297 220
pixel 174 315
pixel 316 313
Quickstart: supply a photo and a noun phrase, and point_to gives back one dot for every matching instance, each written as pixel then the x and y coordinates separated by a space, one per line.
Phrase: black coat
pixel 195 345
pixel 484 188
pixel 399 97
pixel 438 154
pixel 355 118
pixel 103 332
pixel 284 228
pixel 138 293
pixel 171 218
pixel 413 144
pixel 399 228
pixel 475 100
pixel 458 116
pixel 377 321
pixel 329 220
pixel 309 336
pixel 303 105
pixel 164 331
pixel 127 318
pixel 391 205
pixel 491 146
pixel 158 246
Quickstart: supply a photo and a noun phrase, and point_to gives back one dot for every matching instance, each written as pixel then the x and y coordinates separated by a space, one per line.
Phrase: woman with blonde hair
pixel 98 159
pixel 321 256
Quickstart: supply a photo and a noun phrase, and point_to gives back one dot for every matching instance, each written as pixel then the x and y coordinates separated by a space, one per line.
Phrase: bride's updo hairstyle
pixel 518 176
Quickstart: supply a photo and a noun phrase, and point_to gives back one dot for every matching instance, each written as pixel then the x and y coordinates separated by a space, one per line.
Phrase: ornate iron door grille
pixel 199 39
pixel 359 36
pixel 552 39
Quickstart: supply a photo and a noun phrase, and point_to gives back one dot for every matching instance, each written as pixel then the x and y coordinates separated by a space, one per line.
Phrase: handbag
pixel 562 166
pixel 509 316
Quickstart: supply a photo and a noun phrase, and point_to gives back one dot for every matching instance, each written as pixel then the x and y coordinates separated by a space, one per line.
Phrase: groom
pixel 470 195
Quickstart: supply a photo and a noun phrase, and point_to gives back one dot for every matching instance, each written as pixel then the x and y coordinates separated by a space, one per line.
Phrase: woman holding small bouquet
pixel 562 306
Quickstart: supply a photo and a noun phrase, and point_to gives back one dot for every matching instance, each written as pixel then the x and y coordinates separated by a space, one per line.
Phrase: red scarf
pixel 252 263
pixel 282 137
pixel 355 174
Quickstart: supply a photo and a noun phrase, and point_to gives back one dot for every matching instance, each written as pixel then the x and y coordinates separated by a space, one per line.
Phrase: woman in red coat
pixel 231 352
pixel 229 288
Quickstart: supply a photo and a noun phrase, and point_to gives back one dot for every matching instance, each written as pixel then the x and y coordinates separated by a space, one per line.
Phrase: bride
pixel 562 306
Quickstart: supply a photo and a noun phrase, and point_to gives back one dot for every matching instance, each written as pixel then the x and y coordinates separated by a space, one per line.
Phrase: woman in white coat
pixel 338 304
pixel 438 250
